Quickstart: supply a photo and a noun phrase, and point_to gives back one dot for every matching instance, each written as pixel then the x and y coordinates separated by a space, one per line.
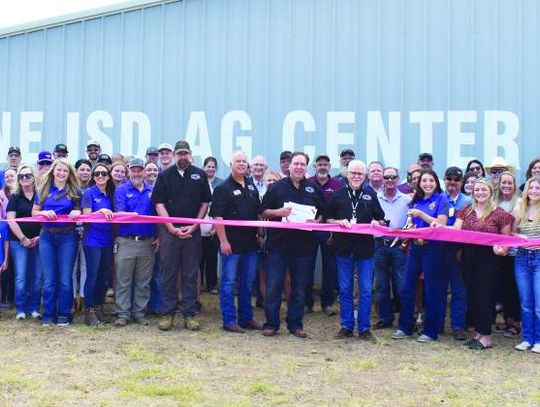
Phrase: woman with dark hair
pixel 429 208
pixel 59 194
pixel 475 166
pixel 468 182
pixel 98 242
pixel 528 265
pixel 210 243
pixel 479 263
pixel 151 172
pixel 532 171
pixel 83 167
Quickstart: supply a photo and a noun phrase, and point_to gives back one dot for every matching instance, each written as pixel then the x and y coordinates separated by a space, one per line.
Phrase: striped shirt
pixel 530 229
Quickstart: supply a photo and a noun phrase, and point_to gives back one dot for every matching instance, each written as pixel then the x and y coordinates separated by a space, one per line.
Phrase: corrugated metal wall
pixel 454 60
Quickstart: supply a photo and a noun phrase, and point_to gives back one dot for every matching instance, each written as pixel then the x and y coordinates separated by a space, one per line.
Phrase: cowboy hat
pixel 500 162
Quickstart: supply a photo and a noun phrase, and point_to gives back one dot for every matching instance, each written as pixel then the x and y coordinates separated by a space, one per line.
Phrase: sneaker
pixel 523 346
pixel 166 323
pixel 425 339
pixel 121 322
pixel 536 348
pixel 36 315
pixel 63 321
pixel 399 334
pixel 329 311
pixel 47 322
pixel 20 316
pixel 192 323
pixel 142 321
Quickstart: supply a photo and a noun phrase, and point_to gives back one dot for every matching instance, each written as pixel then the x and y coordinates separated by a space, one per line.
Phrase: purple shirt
pixel 57 201
pixel 130 199
pixel 405 188
pixel 327 189
pixel 97 234
pixel 435 205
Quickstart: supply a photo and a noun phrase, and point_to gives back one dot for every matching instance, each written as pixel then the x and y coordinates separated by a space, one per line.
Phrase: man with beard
pixel 345 157
pixel 181 191
pixel 135 247
pixel 93 150
pixel 237 198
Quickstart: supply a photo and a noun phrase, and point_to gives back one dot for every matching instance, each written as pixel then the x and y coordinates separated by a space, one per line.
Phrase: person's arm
pixel 49 214
pixel 5 264
pixel 500 250
pixel 440 219
pixel 224 245
pixel 16 229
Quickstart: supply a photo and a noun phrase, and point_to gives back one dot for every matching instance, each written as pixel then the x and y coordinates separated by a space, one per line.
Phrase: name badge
pixel 451 212
pixel 237 192
pixel 353 221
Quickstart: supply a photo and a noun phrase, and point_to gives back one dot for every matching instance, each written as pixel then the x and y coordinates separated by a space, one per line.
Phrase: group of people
pixel 161 267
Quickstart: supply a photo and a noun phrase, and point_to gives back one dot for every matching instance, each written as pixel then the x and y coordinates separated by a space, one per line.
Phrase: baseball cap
pixel 347 151
pixel 425 156
pixel 453 172
pixel 16 150
pixel 92 142
pixel 136 162
pixel 182 145
pixel 61 147
pixel 104 158
pixel 285 155
pixel 152 151
pixel 44 157
pixel 165 146
pixel 322 157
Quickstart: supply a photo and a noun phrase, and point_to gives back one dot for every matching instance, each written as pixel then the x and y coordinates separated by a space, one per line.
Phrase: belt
pixel 60 229
pixel 388 242
pixel 138 238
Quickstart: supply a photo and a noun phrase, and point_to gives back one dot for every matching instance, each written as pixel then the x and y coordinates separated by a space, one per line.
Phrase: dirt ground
pixel 141 366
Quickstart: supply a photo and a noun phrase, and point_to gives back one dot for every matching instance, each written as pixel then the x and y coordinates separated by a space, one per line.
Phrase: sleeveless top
pixel 530 229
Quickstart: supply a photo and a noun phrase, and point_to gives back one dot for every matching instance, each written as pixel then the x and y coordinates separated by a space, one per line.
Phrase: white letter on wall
pixel 243 143
pixel 28 136
pixel 5 133
pixel 128 122
pixel 493 139
pixel 95 122
pixel 426 119
pixel 197 126
pixel 456 138
pixel 390 143
pixel 335 138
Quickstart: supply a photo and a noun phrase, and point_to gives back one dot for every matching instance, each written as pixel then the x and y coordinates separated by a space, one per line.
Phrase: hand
pixel 344 223
pixel 500 251
pixel 50 214
pixel 25 242
pixel 377 223
pixel 74 214
pixel 225 248
pixel 156 245
pixel 109 215
pixel 184 232
pixel 435 224
pixel 35 242
pixel 415 213
pixel 260 241
pixel 330 240
pixel 283 212
pixel 4 266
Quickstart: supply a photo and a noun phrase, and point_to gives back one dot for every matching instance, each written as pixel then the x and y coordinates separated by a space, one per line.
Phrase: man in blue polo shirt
pixel 135 247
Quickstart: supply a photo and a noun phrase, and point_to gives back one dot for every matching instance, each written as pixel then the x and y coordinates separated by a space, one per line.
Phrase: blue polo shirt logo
pixel 129 195
pixel 251 187
pixel 196 177
pixel 366 197
pixel 310 190
pixel 432 205
pixel 97 200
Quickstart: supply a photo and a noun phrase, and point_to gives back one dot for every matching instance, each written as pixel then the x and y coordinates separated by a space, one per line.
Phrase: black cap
pixel 16 150
pixel 453 172
pixel 285 155
pixel 322 157
pixel 347 151
pixel 104 158
pixel 182 145
pixel 60 147
pixel 136 162
pixel 152 151
pixel 425 156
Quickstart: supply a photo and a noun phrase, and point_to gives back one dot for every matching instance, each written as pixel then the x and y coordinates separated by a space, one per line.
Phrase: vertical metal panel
pixel 271 57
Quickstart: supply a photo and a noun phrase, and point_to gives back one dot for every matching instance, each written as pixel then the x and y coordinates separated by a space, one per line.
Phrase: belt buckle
pixel 137 238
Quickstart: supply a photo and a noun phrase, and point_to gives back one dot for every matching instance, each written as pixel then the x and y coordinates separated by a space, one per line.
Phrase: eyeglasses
pixel 101 174
pixel 496 171
pixel 390 177
pixel 454 179
pixel 25 176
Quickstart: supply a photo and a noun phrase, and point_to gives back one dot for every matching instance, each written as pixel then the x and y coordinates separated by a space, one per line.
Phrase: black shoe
pixel 459 335
pixel 344 333
pixel 382 325
pixel 365 336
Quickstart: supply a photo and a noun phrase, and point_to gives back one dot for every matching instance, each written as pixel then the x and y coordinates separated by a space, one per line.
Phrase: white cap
pixel 165 146
pixel 92 142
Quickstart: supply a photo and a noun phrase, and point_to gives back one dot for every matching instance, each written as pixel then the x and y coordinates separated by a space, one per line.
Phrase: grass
pixel 137 353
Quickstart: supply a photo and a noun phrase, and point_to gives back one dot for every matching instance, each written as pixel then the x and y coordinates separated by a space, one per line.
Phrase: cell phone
pixel 115 248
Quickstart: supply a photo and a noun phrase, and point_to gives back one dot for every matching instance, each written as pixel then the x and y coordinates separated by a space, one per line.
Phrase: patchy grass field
pixel 141 366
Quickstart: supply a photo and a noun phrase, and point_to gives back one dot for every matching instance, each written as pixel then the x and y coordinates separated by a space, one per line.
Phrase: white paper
pixel 300 213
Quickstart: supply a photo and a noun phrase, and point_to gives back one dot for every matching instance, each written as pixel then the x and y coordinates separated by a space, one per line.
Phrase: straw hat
pixel 500 162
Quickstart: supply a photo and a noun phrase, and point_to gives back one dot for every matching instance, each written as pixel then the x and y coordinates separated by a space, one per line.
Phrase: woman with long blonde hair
pixel 528 265
pixel 59 194
pixel 480 262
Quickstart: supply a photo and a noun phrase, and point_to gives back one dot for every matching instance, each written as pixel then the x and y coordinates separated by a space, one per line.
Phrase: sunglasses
pixel 497 171
pixel 477 168
pixel 101 174
pixel 454 179
pixel 25 176
pixel 390 177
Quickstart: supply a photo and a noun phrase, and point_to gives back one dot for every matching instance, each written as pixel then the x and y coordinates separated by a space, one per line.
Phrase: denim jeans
pixel 235 268
pixel 98 261
pixel 300 269
pixel 156 287
pixel 57 252
pixel 28 277
pixel 528 283
pixel 425 259
pixel 328 272
pixel 458 302
pixel 345 271
pixel 388 266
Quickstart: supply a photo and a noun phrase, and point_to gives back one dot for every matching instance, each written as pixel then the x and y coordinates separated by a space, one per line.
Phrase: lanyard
pixel 354 204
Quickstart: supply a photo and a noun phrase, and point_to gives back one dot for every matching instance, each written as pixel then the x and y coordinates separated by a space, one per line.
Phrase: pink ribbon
pixel 446 234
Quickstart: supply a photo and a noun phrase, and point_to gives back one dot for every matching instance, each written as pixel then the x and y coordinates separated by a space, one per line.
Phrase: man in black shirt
pixel 182 191
pixel 348 206
pixel 289 249
pixel 237 198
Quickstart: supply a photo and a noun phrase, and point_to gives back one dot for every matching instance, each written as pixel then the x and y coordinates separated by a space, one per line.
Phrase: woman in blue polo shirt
pixel 429 207
pixel 59 194
pixel 98 242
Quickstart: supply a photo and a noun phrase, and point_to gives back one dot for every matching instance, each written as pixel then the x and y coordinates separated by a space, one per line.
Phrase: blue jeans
pixel 235 268
pixel 28 277
pixel 528 283
pixel 389 266
pixel 156 287
pixel 458 303
pixel 57 251
pixel 98 261
pixel 328 272
pixel 345 271
pixel 300 269
pixel 425 259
